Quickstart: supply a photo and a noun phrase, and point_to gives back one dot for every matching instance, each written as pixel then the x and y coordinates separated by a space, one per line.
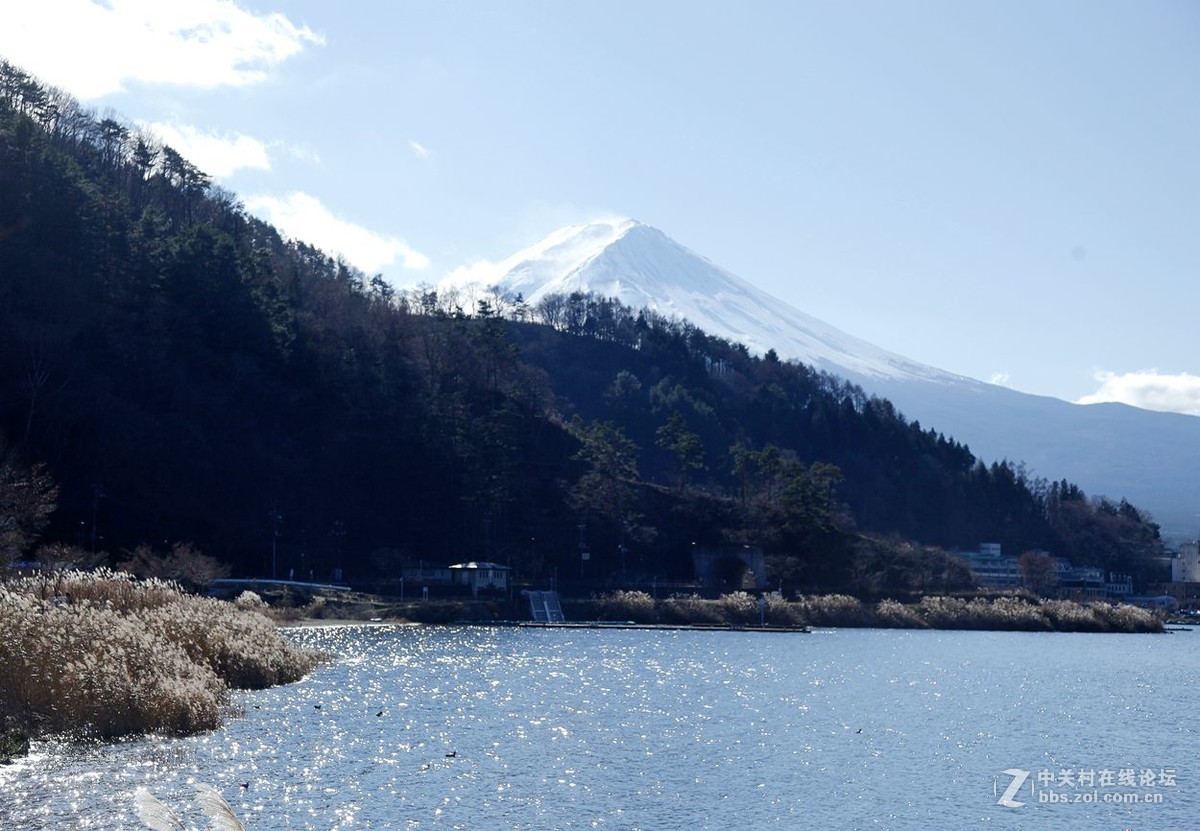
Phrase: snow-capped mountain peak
pixel 644 268
pixel 547 261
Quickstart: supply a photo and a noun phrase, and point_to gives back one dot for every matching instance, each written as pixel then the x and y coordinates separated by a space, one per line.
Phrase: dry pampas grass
pixel 841 610
pixel 103 655
pixel 157 816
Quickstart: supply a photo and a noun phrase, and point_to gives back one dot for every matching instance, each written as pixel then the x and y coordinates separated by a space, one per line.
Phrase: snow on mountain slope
pixel 1111 449
pixel 644 268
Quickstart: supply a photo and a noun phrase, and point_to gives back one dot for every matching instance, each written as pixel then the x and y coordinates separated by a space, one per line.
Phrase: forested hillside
pixel 185 373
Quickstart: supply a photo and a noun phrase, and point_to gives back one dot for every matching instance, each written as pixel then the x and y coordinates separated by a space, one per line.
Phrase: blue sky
pixel 1010 191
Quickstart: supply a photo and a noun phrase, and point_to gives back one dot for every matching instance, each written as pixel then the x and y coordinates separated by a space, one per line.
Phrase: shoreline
pixel 630 625
pixel 736 610
pixel 741 611
pixel 333 623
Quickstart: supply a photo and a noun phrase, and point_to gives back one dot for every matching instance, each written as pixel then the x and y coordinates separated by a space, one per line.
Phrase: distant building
pixel 1158 601
pixel 1187 595
pixel 488 577
pixel 1082 583
pixel 990 568
pixel 993 570
pixel 1119 586
pixel 419 572
pixel 1185 568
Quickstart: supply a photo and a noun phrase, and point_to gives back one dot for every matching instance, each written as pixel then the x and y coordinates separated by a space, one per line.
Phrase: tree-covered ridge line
pixel 186 373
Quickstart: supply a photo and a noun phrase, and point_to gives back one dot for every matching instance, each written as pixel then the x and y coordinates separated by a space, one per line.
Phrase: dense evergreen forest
pixel 173 369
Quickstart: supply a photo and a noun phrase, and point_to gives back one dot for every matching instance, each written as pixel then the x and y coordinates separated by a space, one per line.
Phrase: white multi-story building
pixel 1185 568
pixel 991 568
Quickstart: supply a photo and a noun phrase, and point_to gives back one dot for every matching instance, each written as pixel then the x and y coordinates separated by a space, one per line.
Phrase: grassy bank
pixel 742 609
pixel 1005 613
pixel 104 655
pixel 363 607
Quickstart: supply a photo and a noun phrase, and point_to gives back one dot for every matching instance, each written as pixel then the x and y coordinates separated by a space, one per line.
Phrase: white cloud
pixel 300 153
pixel 480 272
pixel 419 149
pixel 92 49
pixel 303 217
pixel 216 155
pixel 1001 379
pixel 1148 389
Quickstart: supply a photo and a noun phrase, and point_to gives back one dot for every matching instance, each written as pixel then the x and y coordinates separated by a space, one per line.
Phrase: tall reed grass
pixel 840 610
pixel 833 610
pixel 691 609
pixel 634 606
pixel 892 614
pixel 102 654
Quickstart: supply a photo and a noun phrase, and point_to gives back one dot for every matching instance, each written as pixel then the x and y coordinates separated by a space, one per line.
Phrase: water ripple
pixel 462 727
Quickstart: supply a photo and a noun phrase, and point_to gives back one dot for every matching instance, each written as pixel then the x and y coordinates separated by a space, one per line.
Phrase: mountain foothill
pixel 173 369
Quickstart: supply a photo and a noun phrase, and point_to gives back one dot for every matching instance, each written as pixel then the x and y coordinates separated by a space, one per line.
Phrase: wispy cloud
pixel 1001 379
pixel 217 155
pixel 303 217
pixel 478 273
pixel 299 152
pixel 419 149
pixel 92 49
pixel 1148 389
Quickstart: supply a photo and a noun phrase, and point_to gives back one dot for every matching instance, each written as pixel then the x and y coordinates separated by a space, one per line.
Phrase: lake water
pixel 563 728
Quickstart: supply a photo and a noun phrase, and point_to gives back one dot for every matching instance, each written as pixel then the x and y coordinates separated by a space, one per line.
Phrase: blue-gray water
pixel 557 729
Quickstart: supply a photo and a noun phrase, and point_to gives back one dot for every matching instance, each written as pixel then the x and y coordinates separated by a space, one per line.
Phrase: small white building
pixel 481 576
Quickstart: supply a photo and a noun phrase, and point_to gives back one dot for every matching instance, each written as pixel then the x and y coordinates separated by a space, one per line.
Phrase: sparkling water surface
pixel 518 728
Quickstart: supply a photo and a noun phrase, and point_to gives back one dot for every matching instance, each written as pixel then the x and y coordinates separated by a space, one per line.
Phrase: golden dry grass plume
pixel 102 655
